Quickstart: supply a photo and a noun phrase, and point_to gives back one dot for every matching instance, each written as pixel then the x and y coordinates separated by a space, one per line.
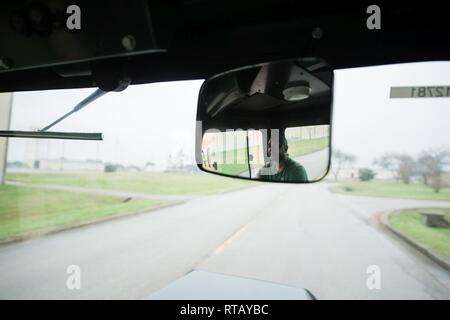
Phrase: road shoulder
pixel 443 262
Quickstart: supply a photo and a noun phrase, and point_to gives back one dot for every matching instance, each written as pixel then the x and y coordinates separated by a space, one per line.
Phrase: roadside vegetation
pixel 23 210
pixel 306 146
pixel 424 177
pixel 392 189
pixel 410 223
pixel 145 182
pixel 231 162
pixel 428 167
pixel 340 161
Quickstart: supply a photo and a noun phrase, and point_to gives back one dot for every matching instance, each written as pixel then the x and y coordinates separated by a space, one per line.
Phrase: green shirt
pixel 292 172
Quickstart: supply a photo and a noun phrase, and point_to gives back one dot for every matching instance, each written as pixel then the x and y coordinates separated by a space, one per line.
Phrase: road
pixel 299 235
pixel 315 163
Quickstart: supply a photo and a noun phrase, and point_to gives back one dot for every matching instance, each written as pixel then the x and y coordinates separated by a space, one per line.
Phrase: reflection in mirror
pixel 299 154
pixel 267 122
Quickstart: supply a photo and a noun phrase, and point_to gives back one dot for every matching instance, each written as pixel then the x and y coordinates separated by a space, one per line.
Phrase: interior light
pixel 297 91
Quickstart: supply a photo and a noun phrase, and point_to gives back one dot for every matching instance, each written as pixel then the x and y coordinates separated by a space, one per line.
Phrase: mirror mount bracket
pixel 110 75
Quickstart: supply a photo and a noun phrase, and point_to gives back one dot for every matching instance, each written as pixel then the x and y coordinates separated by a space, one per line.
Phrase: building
pixel 63 164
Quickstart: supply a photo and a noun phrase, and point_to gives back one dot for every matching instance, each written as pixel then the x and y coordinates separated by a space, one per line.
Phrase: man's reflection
pixel 285 169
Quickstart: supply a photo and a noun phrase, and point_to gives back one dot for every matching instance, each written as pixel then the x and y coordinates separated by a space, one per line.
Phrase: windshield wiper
pixel 44 134
pixel 51 135
pixel 92 97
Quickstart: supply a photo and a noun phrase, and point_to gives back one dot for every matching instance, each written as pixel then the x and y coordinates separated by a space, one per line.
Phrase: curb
pixel 48 231
pixel 330 188
pixel 443 262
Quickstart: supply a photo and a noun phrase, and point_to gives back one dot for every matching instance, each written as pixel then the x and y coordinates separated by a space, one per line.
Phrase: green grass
pixel 232 169
pixel 232 162
pixel 410 223
pixel 301 147
pixel 147 182
pixel 392 189
pixel 28 209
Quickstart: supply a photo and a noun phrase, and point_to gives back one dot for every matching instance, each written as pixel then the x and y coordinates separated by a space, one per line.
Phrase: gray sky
pixel 367 123
pixel 147 122
pixel 143 123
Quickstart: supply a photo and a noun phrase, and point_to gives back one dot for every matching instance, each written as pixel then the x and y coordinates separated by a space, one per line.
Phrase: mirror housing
pixel 263 121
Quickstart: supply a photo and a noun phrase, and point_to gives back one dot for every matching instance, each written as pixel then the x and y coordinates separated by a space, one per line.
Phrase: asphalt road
pixel 315 163
pixel 300 235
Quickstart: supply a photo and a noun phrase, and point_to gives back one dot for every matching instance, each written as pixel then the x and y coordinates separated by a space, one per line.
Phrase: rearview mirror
pixel 268 122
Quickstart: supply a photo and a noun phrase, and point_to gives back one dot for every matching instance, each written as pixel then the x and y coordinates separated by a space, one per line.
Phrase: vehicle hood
pixel 205 285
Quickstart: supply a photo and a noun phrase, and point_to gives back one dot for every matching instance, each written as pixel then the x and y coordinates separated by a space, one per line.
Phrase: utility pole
pixel 5 119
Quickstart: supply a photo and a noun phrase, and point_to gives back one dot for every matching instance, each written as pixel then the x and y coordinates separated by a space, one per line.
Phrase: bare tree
pixel 386 162
pixel 402 165
pixel 431 166
pixel 406 167
pixel 340 161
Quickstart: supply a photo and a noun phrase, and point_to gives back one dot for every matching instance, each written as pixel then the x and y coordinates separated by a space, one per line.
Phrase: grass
pixel 232 162
pixel 29 209
pixel 232 169
pixel 392 189
pixel 146 182
pixel 25 209
pixel 301 147
pixel 410 223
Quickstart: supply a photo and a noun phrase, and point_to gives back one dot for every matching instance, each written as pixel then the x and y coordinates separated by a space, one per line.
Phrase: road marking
pixel 227 242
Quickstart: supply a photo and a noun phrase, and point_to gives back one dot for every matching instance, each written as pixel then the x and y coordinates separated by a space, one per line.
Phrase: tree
pixel 340 161
pixel 109 167
pixel 177 161
pixel 366 174
pixel 386 162
pixel 406 167
pixel 402 165
pixel 180 158
pixel 430 165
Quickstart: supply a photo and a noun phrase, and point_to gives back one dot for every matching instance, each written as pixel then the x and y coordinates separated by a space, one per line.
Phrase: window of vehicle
pixel 126 216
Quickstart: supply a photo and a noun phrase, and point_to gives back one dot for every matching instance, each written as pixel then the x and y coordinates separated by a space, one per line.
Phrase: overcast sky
pixel 148 122
pixel 367 123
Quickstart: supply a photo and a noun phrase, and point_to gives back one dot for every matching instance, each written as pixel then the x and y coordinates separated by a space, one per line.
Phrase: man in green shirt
pixel 285 169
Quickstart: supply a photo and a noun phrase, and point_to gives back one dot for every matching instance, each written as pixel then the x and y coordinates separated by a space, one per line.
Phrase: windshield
pixel 126 216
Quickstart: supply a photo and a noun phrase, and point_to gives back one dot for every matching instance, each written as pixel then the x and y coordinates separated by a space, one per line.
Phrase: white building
pixel 63 164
